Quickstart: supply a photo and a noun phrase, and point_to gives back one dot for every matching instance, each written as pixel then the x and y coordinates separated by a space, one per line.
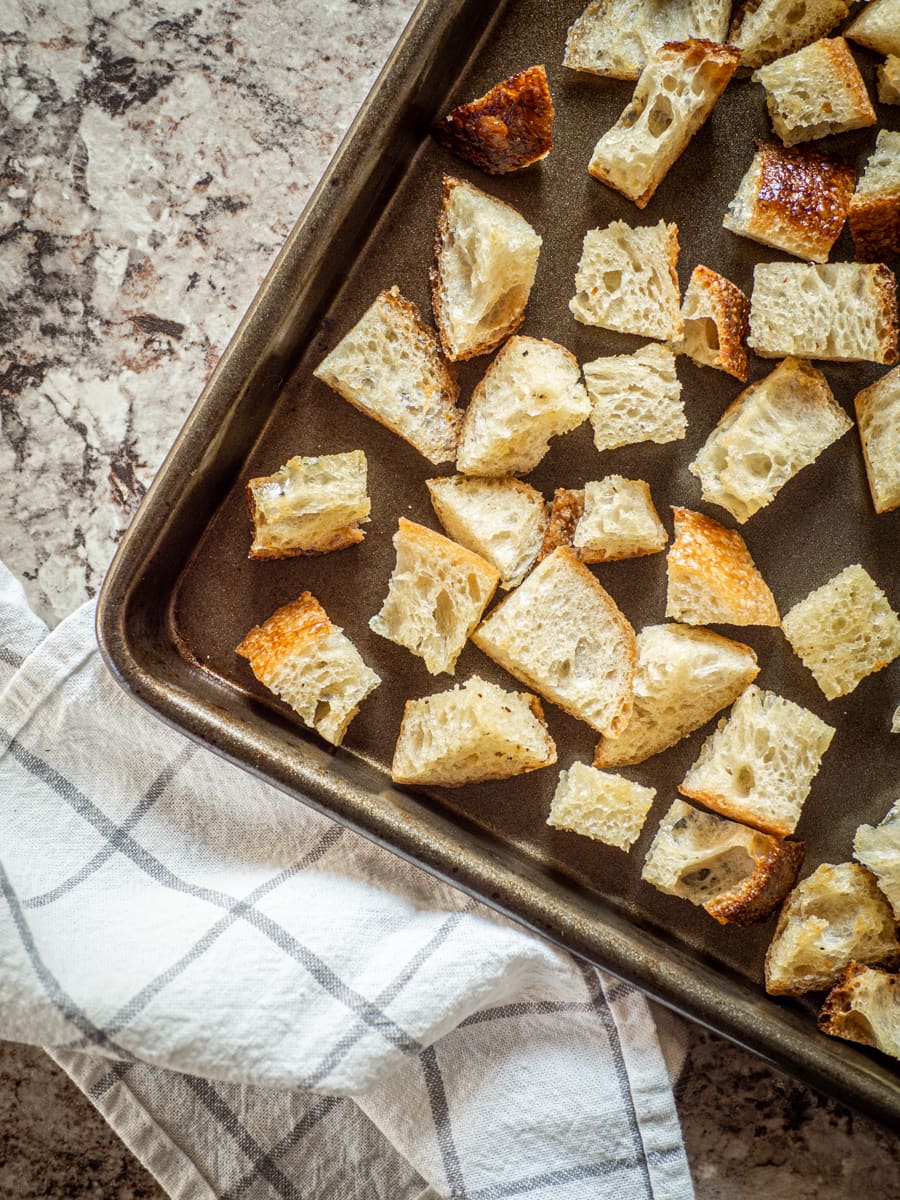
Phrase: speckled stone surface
pixel 155 155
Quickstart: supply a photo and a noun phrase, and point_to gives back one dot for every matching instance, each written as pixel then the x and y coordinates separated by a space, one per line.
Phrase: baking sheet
pixel 182 592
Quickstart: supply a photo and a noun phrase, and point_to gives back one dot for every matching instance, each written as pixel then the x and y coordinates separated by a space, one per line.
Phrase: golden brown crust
pixel 886 286
pixel 717 558
pixel 776 873
pixel 289 630
pixel 566 511
pixel 442 233
pixel 508 128
pixel 838 1017
pixel 802 199
pixel 843 64
pixel 875 226
pixel 732 319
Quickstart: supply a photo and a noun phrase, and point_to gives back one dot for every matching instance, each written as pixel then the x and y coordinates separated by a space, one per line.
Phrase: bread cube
pixel 508 128
pixel 685 675
pixel 486 257
pixel 738 875
pixel 816 92
pixel 619 521
pixel 627 281
pixel 616 37
pixel 844 631
pixel 833 918
pixel 562 634
pixel 608 808
pixel 895 722
pixel 503 520
pixel 635 398
pixel 711 577
pixel 472 733
pixel 759 764
pixel 864 1006
pixel 845 312
pixel 309 506
pixel 875 205
pixel 390 367
pixel 530 393
pixel 793 200
pixel 437 594
pixel 774 429
pixel 716 321
pixel 877 27
pixel 878 416
pixel 311 665
pixel 888 77
pixel 607 519
pixel 877 847
pixel 677 90
pixel 767 29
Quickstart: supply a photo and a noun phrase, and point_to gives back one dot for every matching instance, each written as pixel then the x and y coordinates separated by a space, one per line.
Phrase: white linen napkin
pixel 263 1004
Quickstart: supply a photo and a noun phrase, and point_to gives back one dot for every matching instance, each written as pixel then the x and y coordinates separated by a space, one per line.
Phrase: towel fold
pixel 264 1004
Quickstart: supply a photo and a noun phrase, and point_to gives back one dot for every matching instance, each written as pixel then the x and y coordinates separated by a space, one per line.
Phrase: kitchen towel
pixel 264 1004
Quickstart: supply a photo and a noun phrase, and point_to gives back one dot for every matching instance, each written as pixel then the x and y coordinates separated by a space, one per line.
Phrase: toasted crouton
pixel 508 128
pixel 877 27
pixel 716 322
pixel 845 312
pixel 472 733
pixel 792 200
pixel 311 665
pixel 608 808
pixel 627 281
pixel 895 721
pixel 503 520
pixel 619 521
pixel 878 848
pixel 486 257
pixel 390 367
pixel 864 1006
pixel 759 764
pixel 844 631
pixel 711 577
pixel 616 37
pixel 738 875
pixel 685 675
pixel 878 417
pixel 607 519
pixel 635 398
pixel 875 205
pixel 437 593
pixel 531 392
pixel 562 634
pixel 774 429
pixel 309 506
pixel 676 92
pixel 833 918
pixel 767 29
pixel 816 92
pixel 888 76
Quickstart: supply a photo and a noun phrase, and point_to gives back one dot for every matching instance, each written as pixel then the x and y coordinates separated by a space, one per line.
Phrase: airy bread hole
pixel 612 280
pixel 744 779
pixel 719 874
pixel 660 116
pixel 444 614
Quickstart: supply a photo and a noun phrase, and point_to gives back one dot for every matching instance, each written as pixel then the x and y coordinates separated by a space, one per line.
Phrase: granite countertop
pixel 157 153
